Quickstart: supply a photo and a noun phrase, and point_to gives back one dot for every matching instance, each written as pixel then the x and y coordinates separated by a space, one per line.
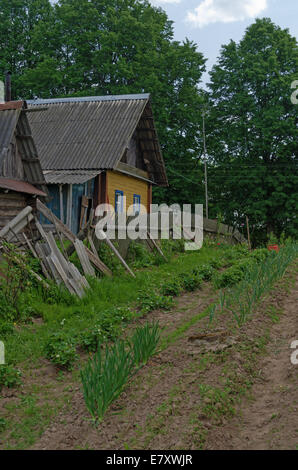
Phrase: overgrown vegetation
pixel 257 280
pixel 9 376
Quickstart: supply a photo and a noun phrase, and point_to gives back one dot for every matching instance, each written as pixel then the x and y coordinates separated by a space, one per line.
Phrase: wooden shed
pixel 97 150
pixel 21 176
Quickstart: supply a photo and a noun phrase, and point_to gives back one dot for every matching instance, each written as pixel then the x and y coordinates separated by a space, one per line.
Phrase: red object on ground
pixel 273 248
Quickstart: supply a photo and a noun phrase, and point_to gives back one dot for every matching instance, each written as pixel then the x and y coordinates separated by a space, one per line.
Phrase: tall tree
pixel 253 130
pixel 98 47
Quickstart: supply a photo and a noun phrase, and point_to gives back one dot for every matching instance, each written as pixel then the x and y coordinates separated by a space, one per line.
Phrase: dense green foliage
pixel 99 47
pixel 253 131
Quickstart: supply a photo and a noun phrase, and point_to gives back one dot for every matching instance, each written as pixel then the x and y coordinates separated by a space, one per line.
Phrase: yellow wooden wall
pixel 129 185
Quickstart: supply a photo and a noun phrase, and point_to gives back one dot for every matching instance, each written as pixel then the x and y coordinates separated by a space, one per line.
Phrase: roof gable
pixel 88 133
pixel 18 155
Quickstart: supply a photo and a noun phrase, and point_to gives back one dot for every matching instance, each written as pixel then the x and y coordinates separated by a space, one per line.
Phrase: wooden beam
pixel 71 237
pixel 17 224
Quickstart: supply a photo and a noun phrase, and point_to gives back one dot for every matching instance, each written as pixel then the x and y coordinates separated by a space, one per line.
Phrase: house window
pixel 136 204
pixel 118 201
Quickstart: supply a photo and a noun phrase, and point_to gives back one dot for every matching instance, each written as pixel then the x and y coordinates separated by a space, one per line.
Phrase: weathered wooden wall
pixel 12 203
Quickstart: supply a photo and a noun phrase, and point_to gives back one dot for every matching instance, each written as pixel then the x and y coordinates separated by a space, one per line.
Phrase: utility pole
pixel 205 165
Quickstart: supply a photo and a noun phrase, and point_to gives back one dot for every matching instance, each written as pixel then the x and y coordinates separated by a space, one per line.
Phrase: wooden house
pixel 21 176
pixel 97 150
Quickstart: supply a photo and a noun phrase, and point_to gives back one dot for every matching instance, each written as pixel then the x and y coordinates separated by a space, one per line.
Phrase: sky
pixel 212 23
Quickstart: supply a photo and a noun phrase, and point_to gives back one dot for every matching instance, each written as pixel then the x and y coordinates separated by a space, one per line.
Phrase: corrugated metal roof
pixel 69 177
pixel 85 133
pixel 8 122
pixel 20 187
pixel 144 96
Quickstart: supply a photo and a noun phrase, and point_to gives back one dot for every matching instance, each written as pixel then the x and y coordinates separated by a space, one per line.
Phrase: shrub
pixel 171 246
pixel 111 321
pixel 172 287
pixel 90 338
pixel 139 256
pixel 228 278
pixel 6 329
pixel 190 281
pixel 60 350
pixel 9 376
pixel 147 302
pixel 109 258
pixel 260 254
pixel 205 271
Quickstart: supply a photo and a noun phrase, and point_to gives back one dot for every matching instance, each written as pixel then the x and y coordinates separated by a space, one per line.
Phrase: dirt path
pixel 270 421
pixel 236 393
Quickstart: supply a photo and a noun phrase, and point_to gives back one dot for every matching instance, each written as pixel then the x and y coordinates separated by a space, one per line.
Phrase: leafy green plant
pixel 91 337
pixel 139 256
pixel 9 376
pixel 6 329
pixel 172 287
pixel 144 342
pixel 190 281
pixel 61 350
pixel 149 301
pixel 205 271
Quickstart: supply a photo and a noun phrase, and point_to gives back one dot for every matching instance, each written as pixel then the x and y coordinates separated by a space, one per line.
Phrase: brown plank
pixel 71 237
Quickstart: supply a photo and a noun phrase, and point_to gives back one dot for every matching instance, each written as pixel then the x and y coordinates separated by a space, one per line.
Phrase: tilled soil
pixel 233 389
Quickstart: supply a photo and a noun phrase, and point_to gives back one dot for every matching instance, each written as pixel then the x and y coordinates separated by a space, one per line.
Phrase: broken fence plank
pixel 71 237
pixel 83 257
pixel 43 267
pixel 114 249
pixel 17 224
pixel 155 245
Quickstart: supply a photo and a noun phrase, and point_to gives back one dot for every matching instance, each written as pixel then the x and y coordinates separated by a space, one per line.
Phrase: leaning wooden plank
pixel 52 243
pixel 62 274
pixel 53 269
pixel 76 275
pixel 155 245
pixel 83 257
pixel 91 243
pixel 61 264
pixel 110 244
pixel 17 224
pixel 71 237
pixel 43 267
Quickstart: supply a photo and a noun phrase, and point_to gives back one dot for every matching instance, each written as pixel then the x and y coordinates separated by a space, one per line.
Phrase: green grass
pixel 26 344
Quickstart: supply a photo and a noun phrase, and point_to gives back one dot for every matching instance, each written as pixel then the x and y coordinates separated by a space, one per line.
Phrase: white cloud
pixel 163 2
pixel 225 11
